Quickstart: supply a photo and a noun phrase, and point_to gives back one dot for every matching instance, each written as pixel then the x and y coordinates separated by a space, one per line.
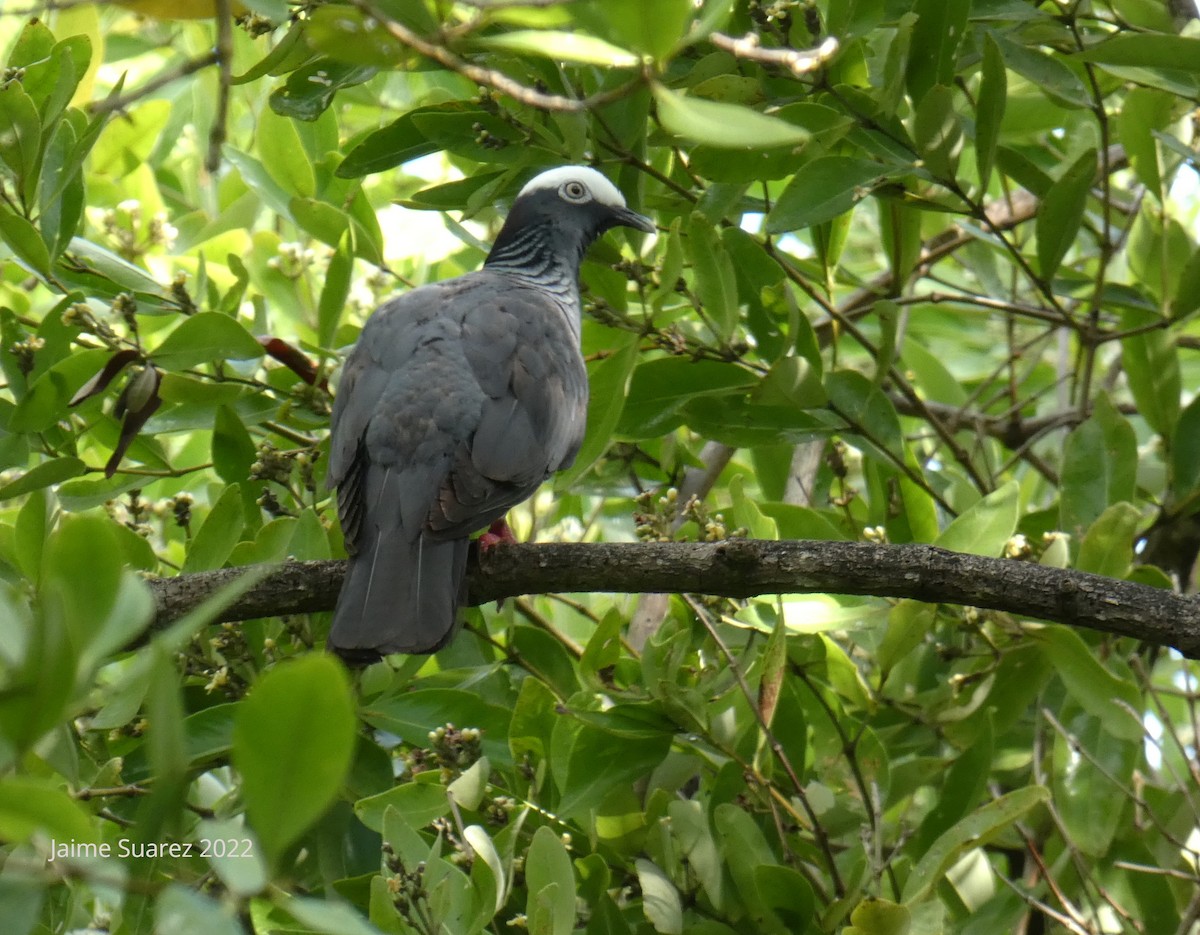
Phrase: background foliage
pixel 942 288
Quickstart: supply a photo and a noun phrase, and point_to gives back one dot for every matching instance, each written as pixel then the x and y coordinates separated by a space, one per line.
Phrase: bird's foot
pixel 497 533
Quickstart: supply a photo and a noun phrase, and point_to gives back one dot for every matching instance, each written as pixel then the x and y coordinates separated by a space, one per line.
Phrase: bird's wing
pixel 525 359
pixel 406 401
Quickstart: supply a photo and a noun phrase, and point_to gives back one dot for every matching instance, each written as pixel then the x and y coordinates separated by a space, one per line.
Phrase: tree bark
pixel 743 568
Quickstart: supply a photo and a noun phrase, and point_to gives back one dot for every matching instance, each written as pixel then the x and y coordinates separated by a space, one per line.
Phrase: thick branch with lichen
pixel 743 568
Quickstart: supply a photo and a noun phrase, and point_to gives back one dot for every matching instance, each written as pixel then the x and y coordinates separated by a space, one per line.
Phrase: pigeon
pixel 459 399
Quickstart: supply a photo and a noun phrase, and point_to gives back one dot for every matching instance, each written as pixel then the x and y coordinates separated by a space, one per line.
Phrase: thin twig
pixel 798 61
pixel 189 67
pixel 490 77
pixel 814 821
pixel 224 53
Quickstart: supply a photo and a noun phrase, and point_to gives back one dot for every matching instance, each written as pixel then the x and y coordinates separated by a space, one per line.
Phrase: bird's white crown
pixel 603 191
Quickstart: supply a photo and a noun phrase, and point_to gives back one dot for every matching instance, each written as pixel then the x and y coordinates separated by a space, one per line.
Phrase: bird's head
pixel 569 207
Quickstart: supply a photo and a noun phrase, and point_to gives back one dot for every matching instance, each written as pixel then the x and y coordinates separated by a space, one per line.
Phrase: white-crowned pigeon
pixel 459 399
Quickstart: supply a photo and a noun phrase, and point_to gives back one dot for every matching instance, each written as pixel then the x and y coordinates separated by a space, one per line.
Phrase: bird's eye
pixel 574 192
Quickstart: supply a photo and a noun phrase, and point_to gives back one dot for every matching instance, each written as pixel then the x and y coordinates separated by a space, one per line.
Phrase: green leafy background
pixel 941 288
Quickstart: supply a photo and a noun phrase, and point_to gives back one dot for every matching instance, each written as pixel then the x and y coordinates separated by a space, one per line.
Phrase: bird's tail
pixel 401 596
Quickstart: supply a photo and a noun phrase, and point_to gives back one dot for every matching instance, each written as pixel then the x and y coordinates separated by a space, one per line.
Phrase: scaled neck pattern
pixel 531 257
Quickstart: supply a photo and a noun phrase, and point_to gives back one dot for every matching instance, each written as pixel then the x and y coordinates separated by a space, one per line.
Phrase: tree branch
pixel 744 568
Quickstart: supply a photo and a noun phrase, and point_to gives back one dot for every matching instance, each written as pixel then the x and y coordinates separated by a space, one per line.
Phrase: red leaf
pixel 99 383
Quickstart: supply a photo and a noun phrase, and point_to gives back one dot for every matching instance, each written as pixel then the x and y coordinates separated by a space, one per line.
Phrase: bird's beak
pixel 626 218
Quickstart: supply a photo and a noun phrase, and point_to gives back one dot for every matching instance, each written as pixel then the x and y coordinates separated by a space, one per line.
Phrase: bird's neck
pixel 532 255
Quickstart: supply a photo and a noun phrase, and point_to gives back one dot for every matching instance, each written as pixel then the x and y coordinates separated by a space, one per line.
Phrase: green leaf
pixel 293 741
pixel 487 873
pixel 25 242
pixel 1091 772
pixel 180 909
pixel 127 142
pixel 398 142
pixel 827 187
pixel 533 716
pixel 34 43
pixel 932 375
pixel 1144 111
pixel 238 861
pixel 459 134
pixel 963 785
pixel 716 282
pixel 61 204
pixel 1107 547
pixel 939 30
pixel 51 81
pixel 334 292
pixel 271 544
pixel 660 899
pixel 1020 677
pixel 1114 701
pixel 468 790
pixel 205 337
pixel 1185 299
pixel 549 877
pixel 326 916
pixel 311 88
pixel 866 407
pixel 727 126
pixel 47 398
pixel 694 838
pixel 1099 467
pixel 908 623
pixel 740 423
pixel 419 802
pixel 801 522
pixel 1158 249
pixel 1045 72
pixel 659 389
pixel 721 164
pixel 973 831
pixel 1185 451
pixel 879 917
pixel 349 35
pixel 560 47
pixel 283 155
pixel 220 532
pixel 987 525
pixel 1147 50
pixel 86 493
pixel 42 677
pixel 411 715
pixel 1151 363
pixel 207 734
pixel 101 271
pixel 937 131
pixel 21 900
pixel 607 380
pixel 20 132
pixel 1061 213
pixel 989 110
pixel 233 450
pixel 45 474
pixel 745 849
pixel 30 805
pixel 82 580
pixel 165 748
pixel 654 28
pixel 600 760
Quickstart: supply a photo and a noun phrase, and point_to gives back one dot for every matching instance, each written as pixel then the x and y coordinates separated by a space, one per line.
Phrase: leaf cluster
pixel 926 271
